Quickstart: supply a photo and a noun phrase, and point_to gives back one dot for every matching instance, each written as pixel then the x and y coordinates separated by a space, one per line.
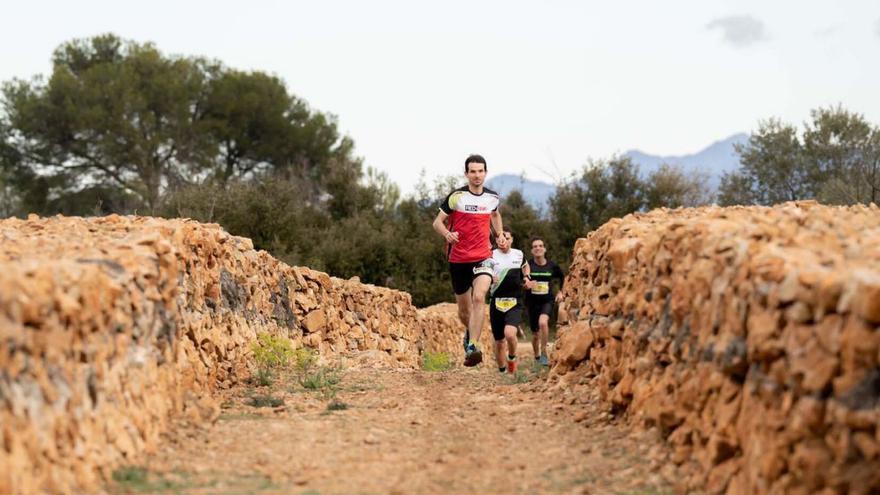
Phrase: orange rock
pixel 315 321
pixel 866 302
pixel 573 346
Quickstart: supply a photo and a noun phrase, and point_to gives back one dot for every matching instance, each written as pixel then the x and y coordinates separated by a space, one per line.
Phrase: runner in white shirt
pixel 505 307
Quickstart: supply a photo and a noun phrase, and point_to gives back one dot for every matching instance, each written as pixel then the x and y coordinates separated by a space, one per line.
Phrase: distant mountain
pixel 714 160
pixel 536 193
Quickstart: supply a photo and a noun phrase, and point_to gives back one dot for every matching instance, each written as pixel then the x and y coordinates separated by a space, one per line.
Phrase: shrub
pixel 436 361
pixel 271 352
pixel 266 401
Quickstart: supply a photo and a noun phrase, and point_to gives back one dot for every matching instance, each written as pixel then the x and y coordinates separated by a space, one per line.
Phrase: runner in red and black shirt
pixel 464 220
pixel 539 297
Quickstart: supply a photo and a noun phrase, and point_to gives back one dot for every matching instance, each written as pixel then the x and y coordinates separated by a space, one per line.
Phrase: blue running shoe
pixel 543 360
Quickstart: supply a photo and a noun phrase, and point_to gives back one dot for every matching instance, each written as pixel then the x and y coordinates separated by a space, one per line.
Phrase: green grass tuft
pixel 436 361
pixel 266 401
pixel 336 405
pixel 130 475
pixel 271 352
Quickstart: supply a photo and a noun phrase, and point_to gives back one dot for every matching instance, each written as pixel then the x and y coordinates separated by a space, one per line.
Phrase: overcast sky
pixel 536 87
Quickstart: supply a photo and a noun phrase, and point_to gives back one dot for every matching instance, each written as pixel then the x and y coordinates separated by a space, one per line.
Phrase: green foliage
pixel 264 377
pixel 240 417
pixel 836 160
pixel 521 376
pixel 130 125
pixel 266 401
pixel 271 353
pixel 436 361
pixel 130 474
pixel 305 359
pixel 773 168
pixel 323 378
pixel 524 221
pixel 132 479
pixel 335 405
pixel 670 187
pixel 613 188
pixel 315 377
pixel 114 113
pixel 528 372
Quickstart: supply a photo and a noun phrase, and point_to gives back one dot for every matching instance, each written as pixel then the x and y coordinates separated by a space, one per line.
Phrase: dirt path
pixel 393 431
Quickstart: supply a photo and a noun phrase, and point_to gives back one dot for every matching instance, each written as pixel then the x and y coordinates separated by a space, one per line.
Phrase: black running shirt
pixel 543 275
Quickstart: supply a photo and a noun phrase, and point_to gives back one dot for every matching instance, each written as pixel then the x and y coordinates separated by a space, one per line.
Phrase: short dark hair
pixel 536 238
pixel 507 229
pixel 475 159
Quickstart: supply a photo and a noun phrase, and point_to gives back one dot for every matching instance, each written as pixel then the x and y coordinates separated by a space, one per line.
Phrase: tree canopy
pixel 835 159
pixel 120 122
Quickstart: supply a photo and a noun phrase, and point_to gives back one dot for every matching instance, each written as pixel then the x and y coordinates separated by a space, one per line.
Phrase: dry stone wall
pixel 111 326
pixel 748 336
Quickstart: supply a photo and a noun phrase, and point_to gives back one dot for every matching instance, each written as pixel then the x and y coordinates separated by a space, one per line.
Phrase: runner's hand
pixel 559 297
pixel 451 237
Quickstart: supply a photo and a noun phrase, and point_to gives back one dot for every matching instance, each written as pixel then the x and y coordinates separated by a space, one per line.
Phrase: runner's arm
pixel 497 225
pixel 440 227
pixel 557 272
pixel 528 283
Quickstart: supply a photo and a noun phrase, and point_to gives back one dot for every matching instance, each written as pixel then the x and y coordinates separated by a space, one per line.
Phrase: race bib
pixel 505 304
pixel 541 288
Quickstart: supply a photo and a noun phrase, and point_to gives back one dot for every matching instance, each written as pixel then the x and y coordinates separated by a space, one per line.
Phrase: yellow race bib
pixel 504 304
pixel 541 288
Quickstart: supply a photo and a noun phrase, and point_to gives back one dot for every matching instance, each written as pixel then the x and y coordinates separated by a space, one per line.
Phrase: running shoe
pixel 511 366
pixel 472 356
pixel 544 361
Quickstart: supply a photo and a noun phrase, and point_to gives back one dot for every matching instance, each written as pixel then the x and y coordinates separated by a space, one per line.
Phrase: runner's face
pixel 476 174
pixel 538 248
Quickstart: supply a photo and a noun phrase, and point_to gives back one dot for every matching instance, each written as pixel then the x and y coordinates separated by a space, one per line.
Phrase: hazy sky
pixel 536 87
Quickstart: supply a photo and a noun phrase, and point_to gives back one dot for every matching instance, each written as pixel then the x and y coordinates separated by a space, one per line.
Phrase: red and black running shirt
pixel 470 216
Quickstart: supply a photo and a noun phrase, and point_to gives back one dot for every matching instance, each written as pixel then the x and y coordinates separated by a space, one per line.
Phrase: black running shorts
pixel 536 310
pixel 500 318
pixel 463 275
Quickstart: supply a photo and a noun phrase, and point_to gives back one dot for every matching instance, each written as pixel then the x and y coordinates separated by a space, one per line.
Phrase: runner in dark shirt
pixel 539 299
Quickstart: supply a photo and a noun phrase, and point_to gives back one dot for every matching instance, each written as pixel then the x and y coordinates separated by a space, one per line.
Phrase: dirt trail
pixel 457 431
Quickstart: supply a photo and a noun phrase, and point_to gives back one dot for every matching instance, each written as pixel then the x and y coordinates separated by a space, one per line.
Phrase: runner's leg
pixel 478 306
pixel 464 312
pixel 534 313
pixel 464 307
pixel 496 321
pixel 462 275
pixel 544 326
pixel 500 355
pixel 510 338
